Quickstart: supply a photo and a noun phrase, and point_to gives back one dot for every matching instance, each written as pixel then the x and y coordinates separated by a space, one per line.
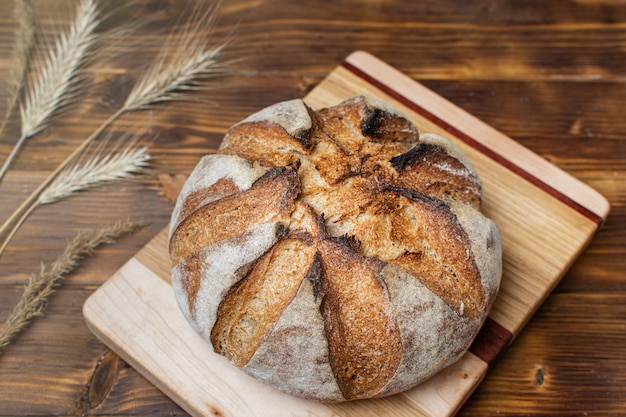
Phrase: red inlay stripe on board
pixel 491 341
pixel 475 144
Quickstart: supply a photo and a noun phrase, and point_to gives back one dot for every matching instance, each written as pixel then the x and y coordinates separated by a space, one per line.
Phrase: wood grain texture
pixel 135 314
pixel 537 250
pixel 550 74
pixel 544 365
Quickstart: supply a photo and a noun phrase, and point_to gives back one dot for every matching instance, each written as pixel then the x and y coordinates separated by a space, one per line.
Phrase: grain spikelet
pixel 98 169
pixel 57 83
pixel 186 61
pixel 24 42
pixel 22 51
pixel 40 285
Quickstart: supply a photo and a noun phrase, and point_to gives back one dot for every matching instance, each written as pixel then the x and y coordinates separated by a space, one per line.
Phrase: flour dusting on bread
pixel 335 254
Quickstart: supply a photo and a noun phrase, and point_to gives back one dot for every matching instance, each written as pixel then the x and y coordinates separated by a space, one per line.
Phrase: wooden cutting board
pixel 546 218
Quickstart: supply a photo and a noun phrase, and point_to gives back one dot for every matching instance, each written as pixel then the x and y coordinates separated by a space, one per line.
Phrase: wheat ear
pixel 99 169
pixel 58 82
pixel 164 81
pixel 24 42
pixel 34 298
pixel 184 63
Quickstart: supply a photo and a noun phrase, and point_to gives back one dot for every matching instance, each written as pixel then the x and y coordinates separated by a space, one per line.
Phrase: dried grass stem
pixel 22 51
pixel 98 170
pixel 57 83
pixel 35 296
pixel 28 205
pixel 186 62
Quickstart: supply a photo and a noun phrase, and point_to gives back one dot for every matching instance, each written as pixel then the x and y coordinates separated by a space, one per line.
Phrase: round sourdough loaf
pixel 335 254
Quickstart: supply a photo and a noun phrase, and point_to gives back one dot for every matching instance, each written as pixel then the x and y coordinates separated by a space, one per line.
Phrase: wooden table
pixel 550 74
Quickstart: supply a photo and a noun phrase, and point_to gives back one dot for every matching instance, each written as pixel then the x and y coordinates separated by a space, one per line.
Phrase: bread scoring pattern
pixel 335 254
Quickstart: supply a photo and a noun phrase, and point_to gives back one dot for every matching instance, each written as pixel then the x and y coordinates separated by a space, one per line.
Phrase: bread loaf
pixel 335 254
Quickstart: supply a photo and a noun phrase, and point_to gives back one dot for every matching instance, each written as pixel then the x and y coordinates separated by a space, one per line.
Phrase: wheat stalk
pixel 57 83
pixel 35 295
pixel 24 43
pixel 97 170
pixel 186 60
pixel 59 78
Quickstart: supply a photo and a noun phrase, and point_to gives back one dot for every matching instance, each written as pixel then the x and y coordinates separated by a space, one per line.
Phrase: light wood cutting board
pixel 546 218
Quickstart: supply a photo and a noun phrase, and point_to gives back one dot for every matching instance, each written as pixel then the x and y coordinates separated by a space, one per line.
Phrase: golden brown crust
pixel 222 188
pixel 372 269
pixel 190 278
pixel 251 308
pixel 429 169
pixel 445 263
pixel 268 143
pixel 270 197
pixel 364 340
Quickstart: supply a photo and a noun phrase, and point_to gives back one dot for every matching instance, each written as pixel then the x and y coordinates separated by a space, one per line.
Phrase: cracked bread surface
pixel 335 254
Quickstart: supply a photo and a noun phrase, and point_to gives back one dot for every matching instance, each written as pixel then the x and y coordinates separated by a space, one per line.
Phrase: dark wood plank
pixel 550 74
pixel 578 127
pixel 42 374
pixel 539 369
pixel 46 232
pixel 568 361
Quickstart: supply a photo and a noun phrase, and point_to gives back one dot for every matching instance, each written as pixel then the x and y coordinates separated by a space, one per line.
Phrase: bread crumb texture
pixel 335 254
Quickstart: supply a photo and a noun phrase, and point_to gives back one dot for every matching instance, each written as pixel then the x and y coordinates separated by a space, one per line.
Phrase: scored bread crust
pixel 335 254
